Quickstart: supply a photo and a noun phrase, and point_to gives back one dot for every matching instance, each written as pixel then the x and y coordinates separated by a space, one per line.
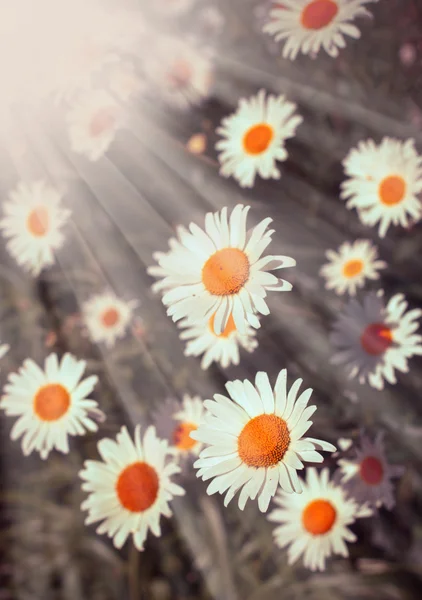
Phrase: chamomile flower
pixel 220 271
pixel 51 404
pixel 384 183
pixel 32 224
pixel 367 477
pixel 131 488
pixel 254 138
pixel 222 348
pixel 351 266
pixel 255 440
pixel 108 317
pixel 308 25
pixel 371 340
pixel 92 124
pixel 315 524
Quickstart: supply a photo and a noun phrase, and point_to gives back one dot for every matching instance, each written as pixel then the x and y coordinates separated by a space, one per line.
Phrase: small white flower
pixel 108 317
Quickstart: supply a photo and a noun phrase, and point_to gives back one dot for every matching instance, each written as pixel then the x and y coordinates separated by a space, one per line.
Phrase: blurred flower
pixel 123 81
pixel 351 265
pixel 367 477
pixel 32 225
pixel 255 441
pixel 384 182
pixel 172 7
pixel 371 339
pixel 132 488
pixel 219 271
pixel 222 348
pixel 92 124
pixel 309 24
pixel 254 138
pixel 407 54
pixel 211 22
pixel 107 317
pixel 315 524
pixel 51 404
pixel 197 144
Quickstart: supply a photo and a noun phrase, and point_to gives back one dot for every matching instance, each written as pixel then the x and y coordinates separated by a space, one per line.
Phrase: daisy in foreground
pixel 372 340
pixel 51 404
pixel 367 477
pixel 220 271
pixel 308 25
pixel 315 524
pixel 254 138
pixel 108 317
pixel 32 225
pixel 384 183
pixel 132 488
pixel 255 440
pixel 351 265
pixel 222 348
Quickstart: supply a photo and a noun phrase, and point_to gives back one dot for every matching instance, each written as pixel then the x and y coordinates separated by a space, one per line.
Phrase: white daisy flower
pixel 32 225
pixel 131 488
pixel 51 404
pixel 220 271
pixel 254 137
pixel 351 266
pixel 107 317
pixel 188 419
pixel 385 182
pixel 367 477
pixel 372 340
pixel 308 25
pixel 92 124
pixel 222 348
pixel 255 441
pixel 315 524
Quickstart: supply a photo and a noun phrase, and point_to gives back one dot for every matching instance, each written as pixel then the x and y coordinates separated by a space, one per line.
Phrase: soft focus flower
pixel 308 25
pixel 51 404
pixel 123 81
pixel 32 225
pixel 254 137
pixel 351 265
pixel 315 524
pixel 255 440
pixel 108 317
pixel 384 183
pixel 372 340
pixel 131 488
pixel 220 271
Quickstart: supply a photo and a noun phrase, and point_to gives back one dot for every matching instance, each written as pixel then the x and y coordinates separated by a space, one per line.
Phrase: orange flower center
pixel 229 328
pixel 38 221
pixel 392 190
pixel 371 470
pixel 319 517
pixel 180 74
pixel 181 436
pixel 51 402
pixel 257 139
pixel 318 14
pixel 376 339
pixel 110 317
pixel 225 272
pixel 103 121
pixel 137 487
pixel 263 441
pixel 352 268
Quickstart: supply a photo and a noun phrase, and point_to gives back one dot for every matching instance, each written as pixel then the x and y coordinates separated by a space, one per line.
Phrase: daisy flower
pixel 108 317
pixel 372 340
pixel 255 440
pixel 131 488
pixel 220 271
pixel 315 524
pixel 222 348
pixel 384 183
pixel 32 225
pixel 92 124
pixel 51 404
pixel 367 477
pixel 306 25
pixel 351 265
pixel 254 138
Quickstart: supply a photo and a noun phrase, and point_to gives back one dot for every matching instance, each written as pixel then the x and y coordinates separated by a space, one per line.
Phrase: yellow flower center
pixel 319 517
pixel 318 14
pixel 376 339
pixel 263 441
pixel 257 139
pixel 228 330
pixel 51 402
pixel 352 268
pixel 225 272
pixel 181 436
pixel 38 221
pixel 392 190
pixel 137 487
pixel 371 470
pixel 110 317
